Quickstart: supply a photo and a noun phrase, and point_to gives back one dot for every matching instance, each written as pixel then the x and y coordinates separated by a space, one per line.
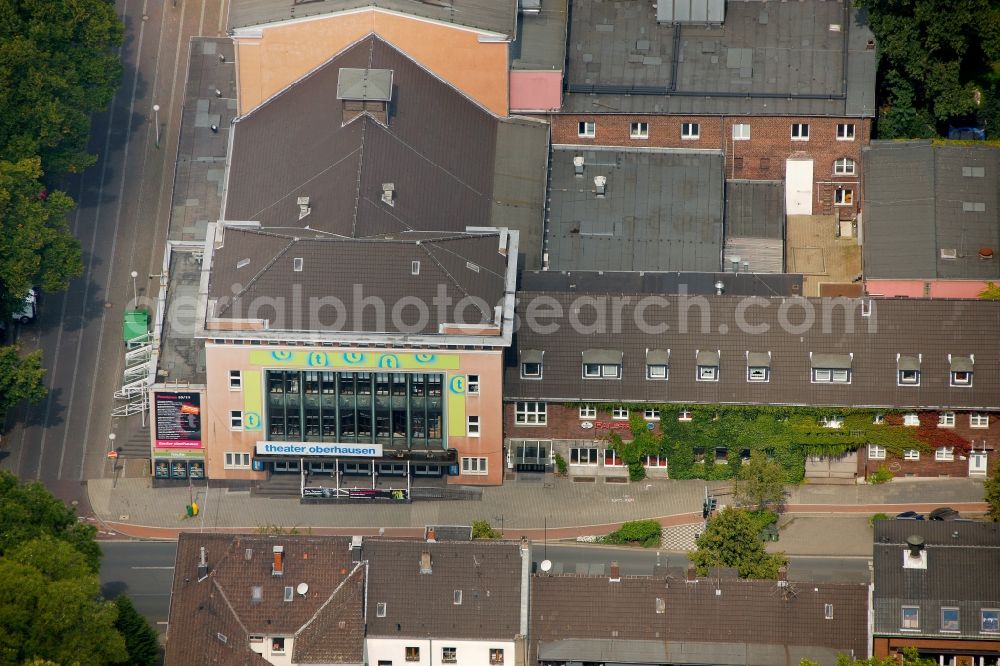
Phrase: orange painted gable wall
pixel 285 53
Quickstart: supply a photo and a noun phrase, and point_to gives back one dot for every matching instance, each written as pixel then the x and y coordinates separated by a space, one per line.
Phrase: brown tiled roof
pixel 254 266
pixel 439 150
pixel 931 328
pixel 211 620
pixel 721 610
pixel 488 573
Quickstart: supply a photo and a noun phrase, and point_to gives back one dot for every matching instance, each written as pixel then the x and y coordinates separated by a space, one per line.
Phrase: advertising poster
pixel 178 420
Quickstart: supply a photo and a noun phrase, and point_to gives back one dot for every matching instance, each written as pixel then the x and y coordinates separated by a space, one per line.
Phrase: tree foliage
pixel 760 483
pixel 21 377
pixel 991 292
pixel 910 657
pixel 645 532
pixel 731 540
pixel 481 529
pixel 140 639
pixel 991 491
pixel 935 59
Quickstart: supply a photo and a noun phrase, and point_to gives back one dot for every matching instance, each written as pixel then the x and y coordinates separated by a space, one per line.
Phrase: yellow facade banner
pixel 252 409
pixel 359 360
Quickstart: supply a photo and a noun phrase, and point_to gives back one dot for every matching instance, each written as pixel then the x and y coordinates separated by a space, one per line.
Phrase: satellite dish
pixel 546 565
pixel 302 588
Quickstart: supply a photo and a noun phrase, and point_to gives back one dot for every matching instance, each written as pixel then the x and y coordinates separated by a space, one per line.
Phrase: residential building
pixel 936 589
pixel 683 619
pixel 253 599
pixel 786 91
pixel 357 293
pixel 585 361
pixel 449 602
pixel 931 224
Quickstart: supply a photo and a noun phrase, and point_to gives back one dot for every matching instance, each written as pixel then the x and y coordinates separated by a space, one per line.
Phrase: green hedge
pixel 645 532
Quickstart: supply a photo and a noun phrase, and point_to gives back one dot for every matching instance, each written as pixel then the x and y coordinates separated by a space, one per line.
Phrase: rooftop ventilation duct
pixel 304 208
pixel 578 165
pixel 601 185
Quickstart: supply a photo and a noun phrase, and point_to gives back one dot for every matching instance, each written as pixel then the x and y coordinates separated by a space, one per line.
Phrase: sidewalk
pixel 530 509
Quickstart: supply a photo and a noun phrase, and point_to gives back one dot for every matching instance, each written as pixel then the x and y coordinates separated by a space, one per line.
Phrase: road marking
pixel 163 623
pixel 111 258
pixel 157 568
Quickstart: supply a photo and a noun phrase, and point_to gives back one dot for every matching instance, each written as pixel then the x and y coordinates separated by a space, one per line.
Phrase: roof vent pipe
pixel 578 165
pixel 202 566
pixel 915 543
pixel 601 185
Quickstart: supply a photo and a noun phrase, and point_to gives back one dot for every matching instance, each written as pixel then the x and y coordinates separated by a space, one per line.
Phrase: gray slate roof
pixel 254 267
pixel 920 200
pixel 768 58
pixel 662 210
pixel 895 327
pixel 491 15
pixel 422 605
pixel 963 571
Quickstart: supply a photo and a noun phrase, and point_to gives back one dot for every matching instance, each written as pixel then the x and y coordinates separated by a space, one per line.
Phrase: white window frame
pixel 708 373
pixel 657 372
pixel 651 414
pixel 911 454
pixel 472 425
pixel 656 462
pixel 588 412
pixel 586 129
pixel 639 130
pixel 531 412
pixel 602 371
pixel 596 457
pixel 472 384
pixel 958 619
pixel 831 376
pixel 620 413
pixel 284 644
pixel 982 620
pixel 979 420
pixel 828 611
pixel 449 655
pixel 762 371
pixel 237 460
pixel 235 380
pixel 944 454
pixel 878 419
pixel 902 378
pixel 475 466
pixel 844 166
pixel 955 381
pixel 380 609
pixel 685 416
pixel 876 452
pixel 946 419
pixel 528 375
pixel 235 420
pixel 616 460
pixel 911 419
pixel 845 131
pixel 741 131
pixel 690 131
pixel 800 131
pixel 902 618
pixel 843 196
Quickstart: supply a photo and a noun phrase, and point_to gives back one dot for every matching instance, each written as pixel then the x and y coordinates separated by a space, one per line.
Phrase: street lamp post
pixel 156 120
pixel 114 460
pixel 135 290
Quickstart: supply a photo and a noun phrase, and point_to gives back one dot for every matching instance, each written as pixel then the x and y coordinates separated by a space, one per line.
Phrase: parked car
pixel 943 513
pixel 909 515
pixel 29 311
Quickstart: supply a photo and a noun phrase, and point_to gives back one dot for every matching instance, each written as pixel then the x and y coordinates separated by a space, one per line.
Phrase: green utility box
pixel 135 325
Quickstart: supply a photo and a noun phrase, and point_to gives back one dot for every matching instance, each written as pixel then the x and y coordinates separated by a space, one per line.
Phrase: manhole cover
pixel 123 516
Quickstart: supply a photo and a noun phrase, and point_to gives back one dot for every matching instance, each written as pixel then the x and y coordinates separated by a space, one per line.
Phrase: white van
pixel 27 314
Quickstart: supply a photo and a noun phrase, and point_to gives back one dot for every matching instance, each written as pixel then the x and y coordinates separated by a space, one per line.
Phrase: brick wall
pixel 762 157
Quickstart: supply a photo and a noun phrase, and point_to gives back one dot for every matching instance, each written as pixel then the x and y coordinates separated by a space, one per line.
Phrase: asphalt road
pixel 144 570
pixel 123 204
pixel 587 559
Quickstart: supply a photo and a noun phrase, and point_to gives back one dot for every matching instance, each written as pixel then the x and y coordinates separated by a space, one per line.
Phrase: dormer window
pixel 708 366
pixel 531 363
pixel 908 370
pixel 831 368
pixel 602 364
pixel 657 364
pixel 758 366
pixel 961 369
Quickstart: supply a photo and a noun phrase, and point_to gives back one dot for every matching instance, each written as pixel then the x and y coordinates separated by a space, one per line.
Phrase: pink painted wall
pixel 535 91
pixel 915 288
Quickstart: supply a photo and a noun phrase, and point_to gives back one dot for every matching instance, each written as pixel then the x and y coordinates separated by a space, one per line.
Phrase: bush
pixel 874 518
pixel 645 532
pixel 481 529
pixel 762 519
pixel 561 466
pixel 880 475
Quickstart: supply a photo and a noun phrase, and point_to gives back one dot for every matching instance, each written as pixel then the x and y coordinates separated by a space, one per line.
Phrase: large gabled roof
pixel 497 16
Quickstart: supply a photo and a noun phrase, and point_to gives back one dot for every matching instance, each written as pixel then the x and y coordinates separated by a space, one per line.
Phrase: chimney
pixel 389 194
pixel 616 573
pixel 915 557
pixel 356 542
pixel 278 568
pixel 692 574
pixel 304 207
pixel 425 563
pixel 782 577
pixel 601 185
pixel 202 566
pixel 578 165
pixel 431 535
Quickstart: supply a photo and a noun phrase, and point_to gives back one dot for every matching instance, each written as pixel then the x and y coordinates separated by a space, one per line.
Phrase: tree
pixel 730 540
pixel 991 489
pixel 991 292
pixel 140 639
pixel 20 377
pixel 481 529
pixel 760 483
pixel 910 658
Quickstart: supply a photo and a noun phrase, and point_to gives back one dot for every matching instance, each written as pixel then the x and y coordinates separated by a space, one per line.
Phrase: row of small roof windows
pixel 989 620
pixel 824 368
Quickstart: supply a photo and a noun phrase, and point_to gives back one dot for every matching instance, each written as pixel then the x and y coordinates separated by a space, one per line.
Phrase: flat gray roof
pixel 662 210
pixel 929 209
pixel 768 58
pixel 492 15
pixel 541 38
